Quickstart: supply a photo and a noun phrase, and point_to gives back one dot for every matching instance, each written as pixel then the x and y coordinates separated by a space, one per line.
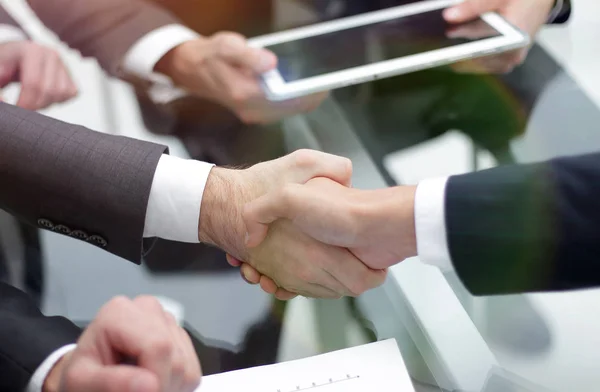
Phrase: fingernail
pixel 246 278
pixel 247 238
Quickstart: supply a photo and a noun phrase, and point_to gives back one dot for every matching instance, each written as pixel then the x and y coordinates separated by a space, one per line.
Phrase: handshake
pixel 296 227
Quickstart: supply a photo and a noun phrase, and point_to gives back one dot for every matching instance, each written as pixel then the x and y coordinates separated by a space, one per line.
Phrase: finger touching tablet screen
pixel 379 44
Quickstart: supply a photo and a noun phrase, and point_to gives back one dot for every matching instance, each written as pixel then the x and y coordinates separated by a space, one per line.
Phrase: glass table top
pixel 441 122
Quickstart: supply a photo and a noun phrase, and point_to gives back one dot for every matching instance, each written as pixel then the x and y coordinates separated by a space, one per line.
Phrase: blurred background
pixel 397 131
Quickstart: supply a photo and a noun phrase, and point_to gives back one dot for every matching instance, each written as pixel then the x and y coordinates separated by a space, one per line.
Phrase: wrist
pixel 221 222
pixel 181 62
pixel 53 380
pixel 394 215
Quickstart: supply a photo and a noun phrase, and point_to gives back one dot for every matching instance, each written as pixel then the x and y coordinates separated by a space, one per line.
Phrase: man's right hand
pixel 131 346
pixel 223 68
pixel 44 77
pixel 295 260
pixel 377 226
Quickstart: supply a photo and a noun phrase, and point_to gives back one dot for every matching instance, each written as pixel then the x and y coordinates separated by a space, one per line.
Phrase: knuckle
pixel 147 300
pixel 161 347
pixel 119 302
pixel 178 367
pixel 304 159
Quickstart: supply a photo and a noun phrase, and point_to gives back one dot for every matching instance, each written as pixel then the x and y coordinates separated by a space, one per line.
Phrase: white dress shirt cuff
pixel 142 57
pixel 36 384
pixel 430 223
pixel 9 33
pixel 175 199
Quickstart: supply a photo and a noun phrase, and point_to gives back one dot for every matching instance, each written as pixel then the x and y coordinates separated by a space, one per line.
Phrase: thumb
pixel 471 9
pixel 234 49
pixel 259 213
pixel 92 377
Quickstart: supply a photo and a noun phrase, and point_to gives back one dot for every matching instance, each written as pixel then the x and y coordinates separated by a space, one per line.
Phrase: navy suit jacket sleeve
pixel 526 228
pixel 28 338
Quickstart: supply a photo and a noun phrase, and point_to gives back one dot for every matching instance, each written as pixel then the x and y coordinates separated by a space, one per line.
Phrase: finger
pixel 130 331
pixel 153 347
pixel 321 292
pixel 249 274
pixel 268 285
pixel 354 274
pixel 238 90
pixel 471 9
pixel 275 205
pixel 185 375
pixel 233 49
pixel 328 289
pixel 193 374
pixel 304 165
pixel 31 83
pixel 67 87
pixel 50 82
pixel 284 295
pixel 178 365
pixel 91 376
pixel 233 261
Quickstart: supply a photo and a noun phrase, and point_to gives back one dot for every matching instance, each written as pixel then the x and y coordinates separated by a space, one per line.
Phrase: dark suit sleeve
pixel 526 228
pixel 564 14
pixel 91 186
pixel 27 338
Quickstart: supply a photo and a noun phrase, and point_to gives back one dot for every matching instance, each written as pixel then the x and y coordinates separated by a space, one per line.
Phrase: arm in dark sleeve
pixel 526 228
pixel 27 338
pixel 563 11
pixel 90 186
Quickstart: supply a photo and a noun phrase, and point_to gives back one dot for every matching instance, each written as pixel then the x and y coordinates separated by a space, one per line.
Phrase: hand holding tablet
pixel 381 44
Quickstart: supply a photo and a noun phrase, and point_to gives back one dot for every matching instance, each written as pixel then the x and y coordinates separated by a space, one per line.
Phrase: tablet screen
pixel 373 43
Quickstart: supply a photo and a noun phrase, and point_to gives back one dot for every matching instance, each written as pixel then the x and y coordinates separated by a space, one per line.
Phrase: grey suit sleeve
pixel 66 178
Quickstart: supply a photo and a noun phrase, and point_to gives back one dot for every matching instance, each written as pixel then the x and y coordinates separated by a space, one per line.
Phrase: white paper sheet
pixel 372 367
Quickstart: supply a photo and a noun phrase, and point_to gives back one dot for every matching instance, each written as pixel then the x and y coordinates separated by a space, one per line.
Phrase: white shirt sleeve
pixel 9 33
pixel 36 384
pixel 175 198
pixel 430 223
pixel 142 57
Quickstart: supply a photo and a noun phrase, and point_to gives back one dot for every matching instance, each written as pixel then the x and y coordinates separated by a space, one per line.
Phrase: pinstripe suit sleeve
pixel 88 185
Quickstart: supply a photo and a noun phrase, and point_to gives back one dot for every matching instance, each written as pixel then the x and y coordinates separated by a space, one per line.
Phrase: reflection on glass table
pixel 443 122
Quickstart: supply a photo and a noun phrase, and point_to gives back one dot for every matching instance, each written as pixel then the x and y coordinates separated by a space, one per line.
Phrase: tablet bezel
pixel 277 88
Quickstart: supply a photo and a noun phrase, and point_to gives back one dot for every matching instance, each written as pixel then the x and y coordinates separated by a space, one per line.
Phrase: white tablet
pixel 379 44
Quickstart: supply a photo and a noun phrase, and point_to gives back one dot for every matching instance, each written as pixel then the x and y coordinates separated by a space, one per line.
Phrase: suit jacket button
pixel 62 229
pixel 79 235
pixel 45 223
pixel 97 240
